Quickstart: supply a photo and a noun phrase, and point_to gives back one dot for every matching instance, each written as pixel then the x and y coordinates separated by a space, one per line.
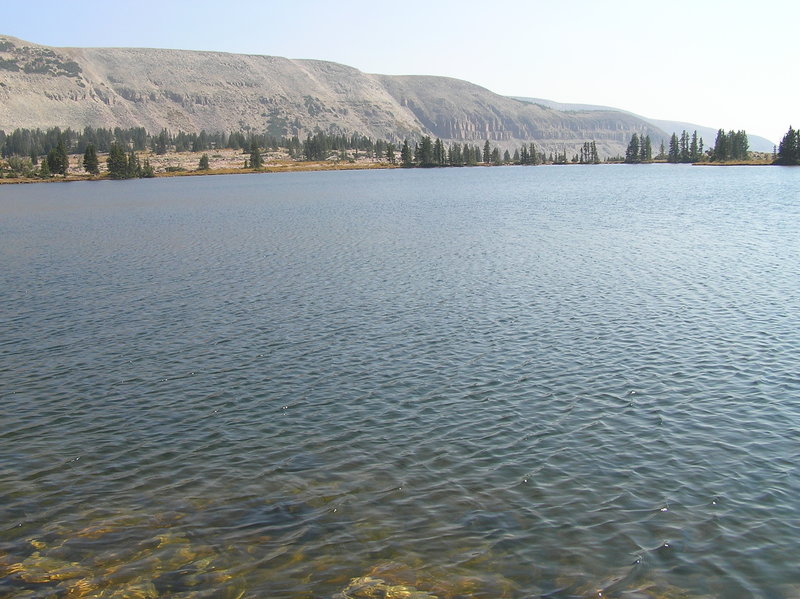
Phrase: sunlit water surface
pixel 511 382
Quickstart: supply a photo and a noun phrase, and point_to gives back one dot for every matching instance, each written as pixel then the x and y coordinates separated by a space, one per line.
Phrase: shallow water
pixel 508 382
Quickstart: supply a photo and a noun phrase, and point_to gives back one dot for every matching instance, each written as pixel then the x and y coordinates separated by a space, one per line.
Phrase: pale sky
pixel 723 64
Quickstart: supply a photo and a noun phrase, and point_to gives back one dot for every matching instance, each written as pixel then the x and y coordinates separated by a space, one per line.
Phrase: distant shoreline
pixel 289 166
pixel 281 167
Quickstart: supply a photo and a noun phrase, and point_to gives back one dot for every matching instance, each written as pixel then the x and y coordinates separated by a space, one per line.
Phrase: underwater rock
pixel 367 587
pixel 37 569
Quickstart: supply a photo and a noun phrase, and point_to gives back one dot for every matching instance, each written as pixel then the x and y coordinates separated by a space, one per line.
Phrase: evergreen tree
pixel 730 146
pixel 57 159
pixel 204 163
pixel 455 157
pixel 44 169
pixel 721 151
pixel 406 157
pixel 255 156
pixel 632 153
pixel 684 144
pixel 425 157
pixel 390 153
pixel 740 145
pixel 694 149
pixel 160 142
pixel 90 162
pixel 487 152
pixel 147 172
pixel 134 167
pixel 506 157
pixel 52 162
pixel 789 149
pixel 117 162
pixel 674 149
pixel 439 154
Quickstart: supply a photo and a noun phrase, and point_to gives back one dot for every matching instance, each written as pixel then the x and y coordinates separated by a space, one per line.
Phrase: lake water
pixel 492 382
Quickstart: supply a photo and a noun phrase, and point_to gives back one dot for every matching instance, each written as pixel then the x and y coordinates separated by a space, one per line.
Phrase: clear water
pixel 508 382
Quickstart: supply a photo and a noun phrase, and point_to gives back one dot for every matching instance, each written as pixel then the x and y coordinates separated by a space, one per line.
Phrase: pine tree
pixel 44 170
pixel 439 154
pixel 674 149
pixel 721 146
pixel 117 162
pixel 487 152
pixel 147 171
pixel 160 143
pixel 255 156
pixel 57 159
pixel 684 154
pixel 694 149
pixel 134 167
pixel 632 153
pixel 789 148
pixel 406 157
pixel 203 165
pixel 740 145
pixel 425 157
pixel 455 156
pixel 90 162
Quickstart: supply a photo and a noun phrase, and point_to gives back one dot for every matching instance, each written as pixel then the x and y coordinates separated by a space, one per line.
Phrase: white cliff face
pixel 190 91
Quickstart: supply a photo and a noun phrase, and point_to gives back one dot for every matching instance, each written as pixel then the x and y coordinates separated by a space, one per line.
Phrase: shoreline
pixel 275 167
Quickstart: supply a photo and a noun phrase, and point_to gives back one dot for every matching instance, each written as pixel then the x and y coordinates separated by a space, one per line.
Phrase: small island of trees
pixel 729 146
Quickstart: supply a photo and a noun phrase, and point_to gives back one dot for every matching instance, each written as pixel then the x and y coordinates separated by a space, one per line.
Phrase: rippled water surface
pixel 511 382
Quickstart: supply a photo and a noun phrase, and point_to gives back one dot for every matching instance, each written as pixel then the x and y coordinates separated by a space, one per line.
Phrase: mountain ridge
pixel 190 90
pixel 708 134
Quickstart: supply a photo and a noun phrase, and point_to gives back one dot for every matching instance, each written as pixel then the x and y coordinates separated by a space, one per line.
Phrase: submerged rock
pixel 38 569
pixel 368 587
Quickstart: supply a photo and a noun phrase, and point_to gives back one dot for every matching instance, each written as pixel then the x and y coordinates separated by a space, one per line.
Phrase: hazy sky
pixel 729 64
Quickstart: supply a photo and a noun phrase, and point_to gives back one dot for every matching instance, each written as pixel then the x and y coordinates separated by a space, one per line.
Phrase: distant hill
pixel 42 87
pixel 709 134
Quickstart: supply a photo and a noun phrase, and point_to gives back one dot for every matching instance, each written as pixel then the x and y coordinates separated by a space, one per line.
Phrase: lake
pixel 509 382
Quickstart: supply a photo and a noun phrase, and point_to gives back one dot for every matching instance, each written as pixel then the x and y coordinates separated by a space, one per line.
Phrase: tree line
pixel 39 142
pixel 730 145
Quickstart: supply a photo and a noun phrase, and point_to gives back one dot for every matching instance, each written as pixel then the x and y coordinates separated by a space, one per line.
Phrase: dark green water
pixel 511 382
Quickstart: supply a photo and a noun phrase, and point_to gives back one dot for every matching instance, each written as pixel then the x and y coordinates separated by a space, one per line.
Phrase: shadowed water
pixel 511 382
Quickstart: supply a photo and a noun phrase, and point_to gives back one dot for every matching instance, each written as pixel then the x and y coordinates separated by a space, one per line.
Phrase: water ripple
pixel 481 383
